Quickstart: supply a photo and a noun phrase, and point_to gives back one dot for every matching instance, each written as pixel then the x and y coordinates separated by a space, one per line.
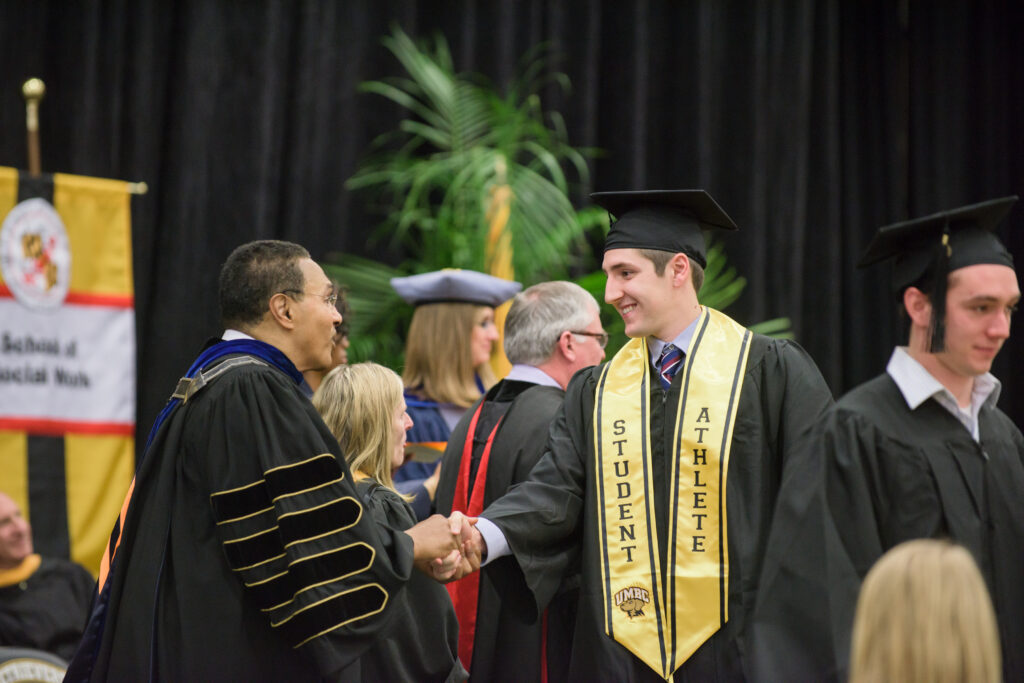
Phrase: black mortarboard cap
pixel 666 220
pixel 926 250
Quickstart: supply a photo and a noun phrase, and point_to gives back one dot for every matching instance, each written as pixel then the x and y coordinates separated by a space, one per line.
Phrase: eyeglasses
pixel 329 299
pixel 601 337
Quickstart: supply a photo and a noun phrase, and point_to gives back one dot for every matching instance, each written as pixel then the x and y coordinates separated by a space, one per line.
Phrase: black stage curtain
pixel 811 122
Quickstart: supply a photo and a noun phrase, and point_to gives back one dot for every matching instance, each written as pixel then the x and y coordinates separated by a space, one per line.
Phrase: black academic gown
pixel 875 473
pixel 421 642
pixel 508 642
pixel 48 609
pixel 553 511
pixel 245 555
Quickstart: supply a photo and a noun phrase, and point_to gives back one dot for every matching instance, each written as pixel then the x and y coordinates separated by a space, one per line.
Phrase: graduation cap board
pixel 453 285
pixel 924 251
pixel 666 220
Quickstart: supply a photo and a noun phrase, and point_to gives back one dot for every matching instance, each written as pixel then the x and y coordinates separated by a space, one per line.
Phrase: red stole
pixel 466 591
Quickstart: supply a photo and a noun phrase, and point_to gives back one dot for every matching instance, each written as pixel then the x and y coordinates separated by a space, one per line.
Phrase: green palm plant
pixel 464 152
pixel 473 179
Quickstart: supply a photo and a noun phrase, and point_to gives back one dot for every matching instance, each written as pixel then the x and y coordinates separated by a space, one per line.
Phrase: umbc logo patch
pixel 632 600
pixel 35 257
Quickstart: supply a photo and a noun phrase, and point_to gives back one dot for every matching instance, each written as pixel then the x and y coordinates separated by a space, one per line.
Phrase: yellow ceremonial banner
pixel 67 357
pixel 663 618
pixel 8 189
pixel 14 466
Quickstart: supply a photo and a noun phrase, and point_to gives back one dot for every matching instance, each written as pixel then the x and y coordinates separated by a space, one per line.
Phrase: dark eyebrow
pixel 619 265
pixel 989 299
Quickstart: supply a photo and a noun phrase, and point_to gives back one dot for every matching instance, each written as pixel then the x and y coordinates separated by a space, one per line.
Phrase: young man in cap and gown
pixel 447 364
pixel 552 330
pixel 921 451
pixel 662 464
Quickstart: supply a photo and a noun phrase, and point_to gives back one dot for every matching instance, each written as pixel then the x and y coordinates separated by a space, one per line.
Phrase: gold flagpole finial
pixel 33 90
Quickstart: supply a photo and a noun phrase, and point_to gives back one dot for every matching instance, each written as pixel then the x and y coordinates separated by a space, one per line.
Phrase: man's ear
pixel 918 305
pixel 679 266
pixel 281 310
pixel 567 346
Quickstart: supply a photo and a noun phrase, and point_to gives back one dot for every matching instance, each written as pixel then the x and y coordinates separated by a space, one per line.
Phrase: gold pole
pixel 33 90
pixel 498 256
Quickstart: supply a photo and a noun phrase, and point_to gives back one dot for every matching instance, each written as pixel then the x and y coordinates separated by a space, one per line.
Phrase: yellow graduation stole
pixel 663 619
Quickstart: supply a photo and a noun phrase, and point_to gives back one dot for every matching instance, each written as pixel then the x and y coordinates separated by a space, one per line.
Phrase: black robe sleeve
pixel 812 570
pixel 246 553
pixel 296 527
pixel 421 640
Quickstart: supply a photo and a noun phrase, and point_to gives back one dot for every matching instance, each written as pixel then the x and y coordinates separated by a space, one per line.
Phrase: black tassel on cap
pixel 925 251
pixel 937 328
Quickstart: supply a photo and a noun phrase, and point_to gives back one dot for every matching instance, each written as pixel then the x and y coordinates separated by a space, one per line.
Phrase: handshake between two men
pixel 447 549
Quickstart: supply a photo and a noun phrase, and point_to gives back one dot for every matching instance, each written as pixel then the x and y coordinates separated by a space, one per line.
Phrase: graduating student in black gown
pixel 242 551
pixel 552 330
pixel 363 406
pixel 667 495
pixel 920 451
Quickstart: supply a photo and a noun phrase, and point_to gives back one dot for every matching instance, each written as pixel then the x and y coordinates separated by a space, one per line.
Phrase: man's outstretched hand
pixel 447 549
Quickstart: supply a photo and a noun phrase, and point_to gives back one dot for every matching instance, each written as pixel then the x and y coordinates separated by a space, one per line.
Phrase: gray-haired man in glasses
pixel 552 330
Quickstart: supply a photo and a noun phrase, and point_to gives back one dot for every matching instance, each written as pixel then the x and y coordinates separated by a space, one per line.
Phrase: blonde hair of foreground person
pixel 924 615
pixel 438 355
pixel 358 403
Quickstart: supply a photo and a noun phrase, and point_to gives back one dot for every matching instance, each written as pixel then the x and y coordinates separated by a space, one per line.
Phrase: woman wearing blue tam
pixel 447 356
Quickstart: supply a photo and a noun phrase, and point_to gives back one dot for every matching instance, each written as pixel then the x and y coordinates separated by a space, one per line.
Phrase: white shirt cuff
pixel 497 546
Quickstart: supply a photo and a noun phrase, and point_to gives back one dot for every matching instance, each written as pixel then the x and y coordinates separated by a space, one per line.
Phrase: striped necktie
pixel 669 361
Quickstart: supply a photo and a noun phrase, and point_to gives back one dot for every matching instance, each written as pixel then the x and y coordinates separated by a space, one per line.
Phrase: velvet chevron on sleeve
pixel 246 553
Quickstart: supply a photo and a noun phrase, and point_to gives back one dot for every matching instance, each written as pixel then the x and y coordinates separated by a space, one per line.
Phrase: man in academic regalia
pixel 662 464
pixel 552 330
pixel 241 552
pixel 920 451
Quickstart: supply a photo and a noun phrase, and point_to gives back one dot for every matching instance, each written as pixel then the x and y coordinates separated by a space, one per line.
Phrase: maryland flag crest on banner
pixel 67 357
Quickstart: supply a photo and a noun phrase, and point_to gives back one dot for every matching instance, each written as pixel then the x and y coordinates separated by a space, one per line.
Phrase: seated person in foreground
pixel 44 602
